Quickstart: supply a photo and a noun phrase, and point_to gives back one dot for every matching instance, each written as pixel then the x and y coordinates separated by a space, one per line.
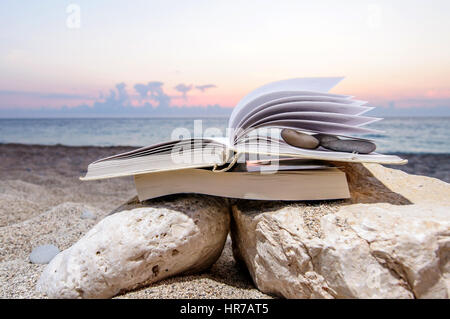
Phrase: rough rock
pixel 299 139
pixel 43 254
pixel 374 183
pixel 398 246
pixel 412 241
pixel 139 246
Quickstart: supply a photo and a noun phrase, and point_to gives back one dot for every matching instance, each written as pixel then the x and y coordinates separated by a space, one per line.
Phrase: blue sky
pixel 391 52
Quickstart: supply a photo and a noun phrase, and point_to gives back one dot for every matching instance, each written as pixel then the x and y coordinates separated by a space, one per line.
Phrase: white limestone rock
pixel 395 246
pixel 362 251
pixel 139 246
pixel 411 241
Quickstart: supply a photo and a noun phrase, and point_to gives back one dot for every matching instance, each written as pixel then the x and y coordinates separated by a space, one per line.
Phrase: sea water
pixel 401 135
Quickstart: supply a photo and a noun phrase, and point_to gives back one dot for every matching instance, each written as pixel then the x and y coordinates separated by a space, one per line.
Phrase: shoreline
pixel 138 146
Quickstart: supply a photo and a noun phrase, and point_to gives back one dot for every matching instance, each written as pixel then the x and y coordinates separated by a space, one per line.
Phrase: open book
pixel 254 128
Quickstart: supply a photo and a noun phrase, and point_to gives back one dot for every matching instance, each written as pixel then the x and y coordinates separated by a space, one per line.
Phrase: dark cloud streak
pixel 203 88
pixel 183 89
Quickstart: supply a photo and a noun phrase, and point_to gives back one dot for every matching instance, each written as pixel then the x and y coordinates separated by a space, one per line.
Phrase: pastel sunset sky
pixel 56 53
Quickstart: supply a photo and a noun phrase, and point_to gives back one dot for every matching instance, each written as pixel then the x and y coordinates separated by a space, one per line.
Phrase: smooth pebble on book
pixel 282 138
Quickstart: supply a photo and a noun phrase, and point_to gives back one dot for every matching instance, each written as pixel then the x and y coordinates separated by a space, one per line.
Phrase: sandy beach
pixel 42 201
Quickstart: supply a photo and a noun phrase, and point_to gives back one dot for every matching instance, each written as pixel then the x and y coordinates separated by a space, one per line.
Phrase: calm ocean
pixel 408 135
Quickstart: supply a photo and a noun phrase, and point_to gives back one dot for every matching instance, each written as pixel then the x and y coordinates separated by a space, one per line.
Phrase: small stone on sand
pixel 43 254
pixel 87 214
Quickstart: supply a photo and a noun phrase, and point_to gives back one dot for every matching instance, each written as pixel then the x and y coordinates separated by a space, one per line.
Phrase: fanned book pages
pixel 328 127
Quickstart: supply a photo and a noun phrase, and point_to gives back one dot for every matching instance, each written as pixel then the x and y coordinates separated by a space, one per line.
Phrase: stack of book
pixel 282 138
